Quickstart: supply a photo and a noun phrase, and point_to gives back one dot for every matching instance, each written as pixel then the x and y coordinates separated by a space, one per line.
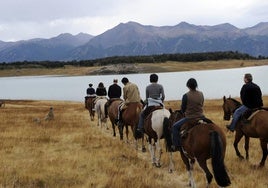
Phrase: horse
pixel 153 128
pixel 2 103
pixel 200 140
pixel 90 107
pixel 130 117
pixel 99 106
pixel 256 127
pixel 113 113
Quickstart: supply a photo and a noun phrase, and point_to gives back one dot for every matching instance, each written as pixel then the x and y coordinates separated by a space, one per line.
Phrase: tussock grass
pixel 72 151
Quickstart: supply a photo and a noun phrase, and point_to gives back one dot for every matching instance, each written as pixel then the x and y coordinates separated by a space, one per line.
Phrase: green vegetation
pixel 188 57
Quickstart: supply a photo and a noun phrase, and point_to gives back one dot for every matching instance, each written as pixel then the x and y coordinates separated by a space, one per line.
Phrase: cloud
pixel 25 19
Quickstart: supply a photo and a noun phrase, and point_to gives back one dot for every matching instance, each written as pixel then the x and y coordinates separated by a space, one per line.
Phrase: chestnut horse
pixel 201 140
pixel 90 106
pixel 130 117
pixel 153 128
pixel 113 113
pixel 256 127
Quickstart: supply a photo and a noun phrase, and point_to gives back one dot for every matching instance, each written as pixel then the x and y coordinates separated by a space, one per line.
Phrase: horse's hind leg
pixel 171 163
pixel 159 153
pixel 246 147
pixel 264 152
pixel 114 133
pixel 203 164
pixel 152 151
pixel 189 167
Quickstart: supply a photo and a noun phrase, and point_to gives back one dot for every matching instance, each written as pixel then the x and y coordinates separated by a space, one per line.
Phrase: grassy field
pixel 72 151
pixel 140 68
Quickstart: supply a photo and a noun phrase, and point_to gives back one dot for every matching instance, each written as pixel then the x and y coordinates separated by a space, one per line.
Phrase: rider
pixel 131 94
pixel 100 92
pixel 114 92
pixel 192 107
pixel 90 93
pixel 251 97
pixel 154 97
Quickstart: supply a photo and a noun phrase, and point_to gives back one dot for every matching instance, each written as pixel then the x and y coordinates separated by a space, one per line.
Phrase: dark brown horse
pixel 130 117
pixel 256 127
pixel 90 107
pixel 201 141
pixel 153 128
pixel 113 113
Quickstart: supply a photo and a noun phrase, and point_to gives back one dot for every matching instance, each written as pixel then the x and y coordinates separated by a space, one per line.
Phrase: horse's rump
pixel 153 123
pixel 113 108
pixel 197 138
pixel 130 113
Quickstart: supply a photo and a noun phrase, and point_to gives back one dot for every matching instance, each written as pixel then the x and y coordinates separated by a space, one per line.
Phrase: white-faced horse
pixel 99 107
pixel 153 128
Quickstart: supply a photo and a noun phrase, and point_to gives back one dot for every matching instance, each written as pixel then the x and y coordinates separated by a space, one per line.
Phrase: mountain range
pixel 132 39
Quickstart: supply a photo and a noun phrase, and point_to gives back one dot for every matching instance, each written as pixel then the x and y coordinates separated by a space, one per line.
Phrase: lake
pixel 213 83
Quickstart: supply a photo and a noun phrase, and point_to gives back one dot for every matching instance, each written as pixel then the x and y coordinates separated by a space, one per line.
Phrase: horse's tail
pixel 219 170
pixel 167 135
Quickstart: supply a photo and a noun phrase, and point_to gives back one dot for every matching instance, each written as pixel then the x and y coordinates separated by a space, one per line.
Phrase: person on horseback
pixel 114 93
pixel 192 107
pixel 91 90
pixel 155 96
pixel 90 93
pixel 251 97
pixel 100 92
pixel 131 94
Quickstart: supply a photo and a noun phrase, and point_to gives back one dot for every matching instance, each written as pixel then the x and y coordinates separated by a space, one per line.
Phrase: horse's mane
pixel 235 101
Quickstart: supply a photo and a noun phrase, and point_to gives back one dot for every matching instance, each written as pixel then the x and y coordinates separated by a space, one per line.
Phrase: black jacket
pixel 251 95
pixel 114 91
pixel 101 91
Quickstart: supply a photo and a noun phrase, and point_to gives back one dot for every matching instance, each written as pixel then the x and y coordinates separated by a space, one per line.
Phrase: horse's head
pixel 229 106
pixel 175 116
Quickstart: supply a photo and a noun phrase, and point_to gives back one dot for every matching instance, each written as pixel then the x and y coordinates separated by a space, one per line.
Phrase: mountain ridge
pixel 132 38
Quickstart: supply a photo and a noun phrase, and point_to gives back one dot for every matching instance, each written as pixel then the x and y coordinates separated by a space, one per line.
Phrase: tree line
pixel 186 57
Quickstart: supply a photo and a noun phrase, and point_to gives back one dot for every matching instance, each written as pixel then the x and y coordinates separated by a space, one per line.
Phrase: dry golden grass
pixel 71 151
pixel 143 68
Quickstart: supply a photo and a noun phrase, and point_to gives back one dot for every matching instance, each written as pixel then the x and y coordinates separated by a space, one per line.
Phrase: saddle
pixel 110 101
pixel 192 123
pixel 149 110
pixel 250 113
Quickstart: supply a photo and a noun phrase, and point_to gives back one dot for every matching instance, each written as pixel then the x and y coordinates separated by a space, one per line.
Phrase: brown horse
pixel 90 107
pixel 201 141
pixel 256 127
pixel 130 117
pixel 113 113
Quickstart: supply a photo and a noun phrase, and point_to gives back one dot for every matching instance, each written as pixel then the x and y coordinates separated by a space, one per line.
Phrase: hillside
pixel 169 66
pixel 131 39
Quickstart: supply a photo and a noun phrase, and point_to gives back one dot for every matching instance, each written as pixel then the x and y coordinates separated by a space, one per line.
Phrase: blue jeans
pixel 175 131
pixel 237 114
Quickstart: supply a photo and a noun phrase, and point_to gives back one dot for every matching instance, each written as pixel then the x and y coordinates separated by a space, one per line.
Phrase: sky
pixel 28 19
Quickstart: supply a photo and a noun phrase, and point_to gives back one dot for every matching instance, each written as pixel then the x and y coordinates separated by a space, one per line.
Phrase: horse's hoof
pixel 170 171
